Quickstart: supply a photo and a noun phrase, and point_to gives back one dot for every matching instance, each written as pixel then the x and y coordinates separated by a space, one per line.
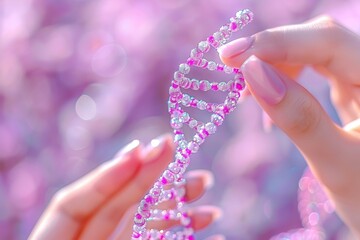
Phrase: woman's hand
pixel 93 206
pixel 270 59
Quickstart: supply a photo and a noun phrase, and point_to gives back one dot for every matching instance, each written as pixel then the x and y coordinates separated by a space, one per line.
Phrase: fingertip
pixel 205 215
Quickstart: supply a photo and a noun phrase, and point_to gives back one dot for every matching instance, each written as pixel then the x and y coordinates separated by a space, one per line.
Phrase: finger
pixel 319 42
pixel 77 202
pixel 201 217
pixel 101 225
pixel 331 153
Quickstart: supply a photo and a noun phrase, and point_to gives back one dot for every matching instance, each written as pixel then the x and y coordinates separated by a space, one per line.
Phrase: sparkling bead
pixel 225 31
pixel 174 167
pixel 193 146
pixel 195 84
pixel 220 67
pixel 219 37
pixel 201 105
pixel 228 69
pixel 196 54
pixel 223 86
pixel 204 63
pixel 186 100
pixel 182 144
pixel 193 123
pixel 185 220
pixel 217 119
pixel 211 66
pixel 204 85
pixel 185 117
pixel 214 86
pixel 234 95
pixel 198 139
pixel 210 128
pixel 178 76
pixel 234 26
pixel 185 83
pixel 204 46
pixel 176 123
pixel 184 68
pixel 139 220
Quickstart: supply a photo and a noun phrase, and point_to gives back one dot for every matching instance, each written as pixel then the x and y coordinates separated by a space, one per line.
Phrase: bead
pixel 228 69
pixel 176 123
pixel 223 86
pixel 184 68
pixel 204 46
pixel 195 84
pixel 193 146
pixel 196 54
pixel 201 105
pixel 193 123
pixel 210 128
pixel 211 65
pixel 217 119
pixel 204 85
pixel 178 76
pixel 186 100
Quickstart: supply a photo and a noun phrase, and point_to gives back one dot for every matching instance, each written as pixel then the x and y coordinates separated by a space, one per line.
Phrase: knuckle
pixel 305 119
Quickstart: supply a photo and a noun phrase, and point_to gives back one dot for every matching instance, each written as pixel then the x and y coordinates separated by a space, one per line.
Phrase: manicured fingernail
pixel 235 47
pixel 264 80
pixel 215 212
pixel 201 176
pixel 154 148
pixel 129 148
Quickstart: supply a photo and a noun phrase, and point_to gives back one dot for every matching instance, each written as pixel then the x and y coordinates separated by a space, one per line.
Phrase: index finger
pixel 321 42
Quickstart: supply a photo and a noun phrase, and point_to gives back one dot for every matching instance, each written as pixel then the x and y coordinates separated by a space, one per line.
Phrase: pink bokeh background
pixel 81 78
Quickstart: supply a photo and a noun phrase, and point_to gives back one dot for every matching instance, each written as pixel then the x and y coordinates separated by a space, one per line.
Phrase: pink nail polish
pixel 264 80
pixel 235 47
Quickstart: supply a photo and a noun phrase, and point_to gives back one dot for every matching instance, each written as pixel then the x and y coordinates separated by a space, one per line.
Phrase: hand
pixel 93 206
pixel 332 152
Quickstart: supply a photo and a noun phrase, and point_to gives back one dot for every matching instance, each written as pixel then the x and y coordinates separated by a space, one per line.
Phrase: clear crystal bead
pixel 201 105
pixel 228 69
pixel 222 86
pixel 186 100
pixel 193 146
pixel 176 123
pixel 211 65
pixel 210 128
pixel 217 119
pixel 205 85
pixel 204 46
pixel 193 123
pixel 184 68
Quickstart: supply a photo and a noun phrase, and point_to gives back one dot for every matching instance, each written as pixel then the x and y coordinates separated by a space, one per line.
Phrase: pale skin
pixel 92 207
pixel 332 151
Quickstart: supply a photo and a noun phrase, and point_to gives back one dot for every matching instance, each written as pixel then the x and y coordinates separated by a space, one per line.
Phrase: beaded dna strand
pixel 171 184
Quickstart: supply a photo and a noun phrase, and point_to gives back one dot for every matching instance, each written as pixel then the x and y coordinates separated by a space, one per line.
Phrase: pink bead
pixel 214 86
pixel 220 67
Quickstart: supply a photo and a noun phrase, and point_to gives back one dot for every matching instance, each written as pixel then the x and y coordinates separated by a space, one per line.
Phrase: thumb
pixel 292 108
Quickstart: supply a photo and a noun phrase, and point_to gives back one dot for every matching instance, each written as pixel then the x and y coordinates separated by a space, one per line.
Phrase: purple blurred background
pixel 81 78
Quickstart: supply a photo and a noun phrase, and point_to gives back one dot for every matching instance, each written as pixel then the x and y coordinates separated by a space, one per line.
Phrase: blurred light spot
pixel 78 138
pixel 109 60
pixel 24 182
pixel 86 107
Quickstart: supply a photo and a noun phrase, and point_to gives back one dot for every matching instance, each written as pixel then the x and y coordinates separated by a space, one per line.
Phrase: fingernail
pixel 154 148
pixel 263 80
pixel 215 212
pixel 235 47
pixel 129 148
pixel 201 175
